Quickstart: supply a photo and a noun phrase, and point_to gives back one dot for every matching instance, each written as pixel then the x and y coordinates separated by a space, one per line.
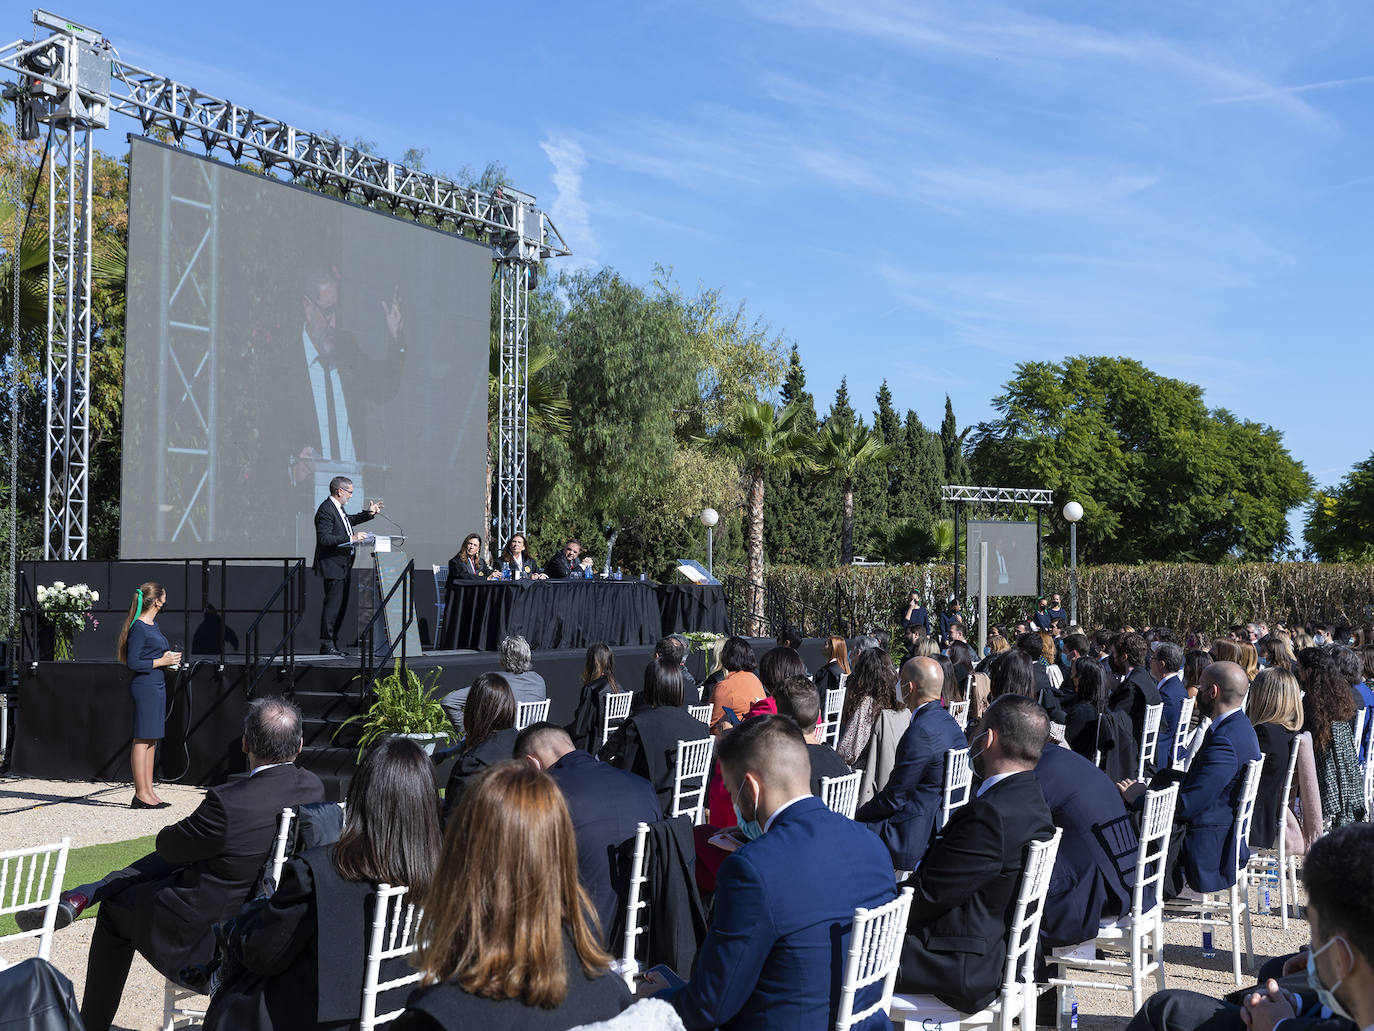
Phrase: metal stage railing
pixel 369 660
pixel 293 585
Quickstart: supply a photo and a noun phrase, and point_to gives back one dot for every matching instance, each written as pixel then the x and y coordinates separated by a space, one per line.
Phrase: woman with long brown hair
pixel 469 563
pixel 489 733
pixel 598 681
pixel 1328 712
pixel 870 691
pixel 509 937
pixel 836 654
pixel 145 651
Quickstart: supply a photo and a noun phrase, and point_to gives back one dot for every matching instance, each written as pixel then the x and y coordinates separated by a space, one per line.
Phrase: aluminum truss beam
pixel 78 80
pixel 998 495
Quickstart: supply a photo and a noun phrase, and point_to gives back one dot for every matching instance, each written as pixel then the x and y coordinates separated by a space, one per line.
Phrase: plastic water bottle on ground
pixel 1265 907
pixel 1068 1009
pixel 1208 949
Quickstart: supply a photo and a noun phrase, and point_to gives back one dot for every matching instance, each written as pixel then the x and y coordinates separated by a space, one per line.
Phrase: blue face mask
pixel 1326 995
pixel 751 829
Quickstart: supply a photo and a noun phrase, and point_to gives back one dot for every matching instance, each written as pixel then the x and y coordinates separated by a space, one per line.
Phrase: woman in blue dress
pixel 144 650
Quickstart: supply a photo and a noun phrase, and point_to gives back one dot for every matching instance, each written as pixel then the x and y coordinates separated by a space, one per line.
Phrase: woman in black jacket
pixel 646 743
pixel 1090 689
pixel 469 563
pixel 1274 707
pixel 489 718
pixel 507 943
pixel 303 950
pixel 598 681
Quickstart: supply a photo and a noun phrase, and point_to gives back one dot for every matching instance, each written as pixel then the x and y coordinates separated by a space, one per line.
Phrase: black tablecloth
pixel 574 613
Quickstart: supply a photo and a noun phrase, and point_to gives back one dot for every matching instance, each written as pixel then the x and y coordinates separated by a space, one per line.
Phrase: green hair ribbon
pixel 138 597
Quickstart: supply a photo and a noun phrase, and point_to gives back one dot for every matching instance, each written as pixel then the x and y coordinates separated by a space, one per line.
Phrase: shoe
pixel 69 907
pixel 329 649
pixel 138 803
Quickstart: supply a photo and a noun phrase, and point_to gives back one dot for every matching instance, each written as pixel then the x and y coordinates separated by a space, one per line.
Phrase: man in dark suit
pixel 785 899
pixel 1336 993
pixel 606 805
pixel 1202 850
pixel 965 888
pixel 334 554
pixel 1166 667
pixel 1089 884
pixel 166 904
pixel 903 813
pixel 561 566
pixel 798 700
pixel 1137 689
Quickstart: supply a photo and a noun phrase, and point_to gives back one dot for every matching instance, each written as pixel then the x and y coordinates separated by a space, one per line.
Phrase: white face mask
pixel 1326 995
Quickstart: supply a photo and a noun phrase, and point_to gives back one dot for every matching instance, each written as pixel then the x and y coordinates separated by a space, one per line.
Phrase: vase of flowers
pixel 66 609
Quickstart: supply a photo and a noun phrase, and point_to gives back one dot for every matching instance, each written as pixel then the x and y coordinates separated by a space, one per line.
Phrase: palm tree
pixel 842 452
pixel 762 439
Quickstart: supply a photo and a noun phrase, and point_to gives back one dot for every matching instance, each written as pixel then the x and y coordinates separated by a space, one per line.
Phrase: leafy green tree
pixel 1340 521
pixel 800 523
pixel 1159 475
pixel 761 439
pixel 843 453
pixel 952 445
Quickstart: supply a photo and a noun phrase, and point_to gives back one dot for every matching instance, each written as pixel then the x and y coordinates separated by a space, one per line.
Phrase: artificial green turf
pixel 92 863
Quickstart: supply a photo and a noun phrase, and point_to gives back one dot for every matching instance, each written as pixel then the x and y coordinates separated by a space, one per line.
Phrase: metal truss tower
pixel 73 79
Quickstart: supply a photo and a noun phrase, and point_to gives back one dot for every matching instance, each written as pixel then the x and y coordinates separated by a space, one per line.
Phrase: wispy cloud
pixel 1289 91
pixel 569 209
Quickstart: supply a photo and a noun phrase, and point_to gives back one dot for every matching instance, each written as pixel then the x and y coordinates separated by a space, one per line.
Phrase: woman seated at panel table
pixel 516 558
pixel 470 563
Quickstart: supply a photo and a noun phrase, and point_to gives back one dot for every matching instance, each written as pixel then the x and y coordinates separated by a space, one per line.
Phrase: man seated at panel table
pixel 562 565
pixel 785 899
pixel 166 904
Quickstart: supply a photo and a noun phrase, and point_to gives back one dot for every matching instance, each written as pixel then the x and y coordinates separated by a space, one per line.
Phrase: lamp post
pixel 1073 512
pixel 709 518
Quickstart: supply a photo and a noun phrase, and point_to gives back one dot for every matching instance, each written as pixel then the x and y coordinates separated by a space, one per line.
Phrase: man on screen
pixel 335 379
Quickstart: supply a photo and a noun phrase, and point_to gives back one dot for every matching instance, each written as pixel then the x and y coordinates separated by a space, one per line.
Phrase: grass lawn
pixel 90 864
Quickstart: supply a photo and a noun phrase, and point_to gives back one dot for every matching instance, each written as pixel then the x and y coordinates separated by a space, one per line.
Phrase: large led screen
pixel 278 337
pixel 1013 550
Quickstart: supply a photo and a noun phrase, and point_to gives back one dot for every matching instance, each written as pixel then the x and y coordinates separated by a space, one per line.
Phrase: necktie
pixel 333 414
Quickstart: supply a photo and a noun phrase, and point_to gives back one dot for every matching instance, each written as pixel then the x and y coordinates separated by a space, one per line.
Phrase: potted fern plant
pixel 403 705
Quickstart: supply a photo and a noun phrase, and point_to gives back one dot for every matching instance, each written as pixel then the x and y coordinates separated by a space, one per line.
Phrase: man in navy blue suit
pixel 785 900
pixel 903 813
pixel 606 805
pixel 1137 689
pixel 1088 885
pixel 1166 666
pixel 1204 821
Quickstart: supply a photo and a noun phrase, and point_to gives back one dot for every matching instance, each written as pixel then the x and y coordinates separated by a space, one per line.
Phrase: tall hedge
pixel 1177 595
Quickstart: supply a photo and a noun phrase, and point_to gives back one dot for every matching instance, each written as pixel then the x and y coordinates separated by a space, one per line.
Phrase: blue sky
pixel 927 193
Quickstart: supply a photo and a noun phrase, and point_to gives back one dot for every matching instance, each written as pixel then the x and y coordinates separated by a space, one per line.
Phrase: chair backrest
pixel 1181 728
pixel 531 712
pixel 689 778
pixel 958 784
pixel 1294 751
pixel 830 715
pixel 959 710
pixel 616 710
pixel 29 878
pixel 1149 738
pixel 395 927
pixel 1156 827
pixel 279 849
pixel 1024 932
pixel 701 712
pixel 635 904
pixel 1361 715
pixel 1369 789
pixel 875 952
pixel 1245 812
pixel 842 793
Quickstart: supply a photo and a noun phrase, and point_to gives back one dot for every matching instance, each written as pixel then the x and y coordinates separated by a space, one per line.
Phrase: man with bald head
pixel 903 811
pixel 1204 820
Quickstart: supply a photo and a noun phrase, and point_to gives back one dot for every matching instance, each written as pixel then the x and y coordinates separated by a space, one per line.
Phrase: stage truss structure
pixel 960 496
pixel 72 80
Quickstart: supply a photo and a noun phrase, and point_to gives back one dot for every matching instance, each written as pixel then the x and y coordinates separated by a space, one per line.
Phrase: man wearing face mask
pixel 785 900
pixel 1334 989
pixel 955 943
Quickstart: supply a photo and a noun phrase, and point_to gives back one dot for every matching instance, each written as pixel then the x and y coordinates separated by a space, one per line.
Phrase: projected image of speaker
pixel 277 338
pixel 1012 554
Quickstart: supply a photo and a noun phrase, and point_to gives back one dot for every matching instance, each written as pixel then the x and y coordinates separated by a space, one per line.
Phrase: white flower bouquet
pixel 67 610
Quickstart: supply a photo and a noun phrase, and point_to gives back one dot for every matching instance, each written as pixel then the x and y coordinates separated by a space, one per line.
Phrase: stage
pixel 73 719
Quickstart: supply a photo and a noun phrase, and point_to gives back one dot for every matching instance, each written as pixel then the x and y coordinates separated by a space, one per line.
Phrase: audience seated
pixel 1274 709
pixel 676 647
pixel 738 689
pixel 505 941
pixel 606 805
pixel 1136 690
pixel 304 947
pixel 598 681
pixel 903 813
pixel 1201 851
pixel 798 701
pixel 836 654
pixel 785 900
pixel 1088 681
pixel 491 733
pixel 1166 667
pixel 1088 884
pixel 646 743
pixel 872 708
pixel 779 664
pixel 524 683
pixel 966 885
pixel 1328 715
pixel 166 904
pixel 1337 991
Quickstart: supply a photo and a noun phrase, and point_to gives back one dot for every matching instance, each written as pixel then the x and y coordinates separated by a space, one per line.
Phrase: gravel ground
pixel 34 812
